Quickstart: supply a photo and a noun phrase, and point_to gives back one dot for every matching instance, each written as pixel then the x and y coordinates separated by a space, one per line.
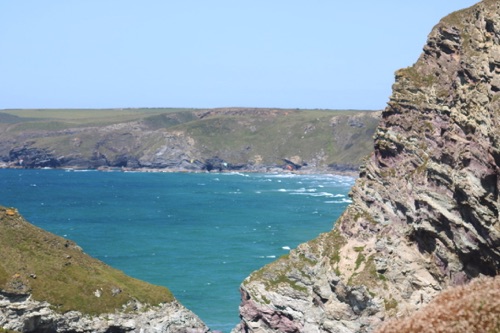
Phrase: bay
pixel 199 234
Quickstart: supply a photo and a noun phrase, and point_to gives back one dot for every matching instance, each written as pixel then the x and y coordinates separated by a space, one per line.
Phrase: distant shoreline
pixel 263 170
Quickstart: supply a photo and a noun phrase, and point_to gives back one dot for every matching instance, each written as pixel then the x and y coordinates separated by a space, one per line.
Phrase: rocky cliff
pixel 187 140
pixel 48 284
pixel 425 210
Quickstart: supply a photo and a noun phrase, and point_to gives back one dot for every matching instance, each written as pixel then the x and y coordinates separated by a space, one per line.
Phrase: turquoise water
pixel 198 234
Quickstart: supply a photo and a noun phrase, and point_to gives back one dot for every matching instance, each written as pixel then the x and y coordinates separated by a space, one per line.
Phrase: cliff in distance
pixel 425 210
pixel 250 139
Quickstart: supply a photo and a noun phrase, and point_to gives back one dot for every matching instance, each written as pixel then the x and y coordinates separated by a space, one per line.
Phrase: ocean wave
pixel 267 257
pixel 299 190
pixel 234 174
pixel 281 175
pixel 343 200
pixel 315 194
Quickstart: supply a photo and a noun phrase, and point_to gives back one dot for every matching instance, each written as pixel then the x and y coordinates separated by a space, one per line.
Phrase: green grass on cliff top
pixel 84 115
pixel 237 135
pixel 56 270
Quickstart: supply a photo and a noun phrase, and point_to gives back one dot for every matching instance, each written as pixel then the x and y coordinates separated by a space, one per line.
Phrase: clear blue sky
pixel 200 53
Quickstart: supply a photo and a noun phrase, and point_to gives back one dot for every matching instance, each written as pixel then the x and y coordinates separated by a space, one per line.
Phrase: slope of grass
pixel 304 133
pixel 85 114
pixel 56 270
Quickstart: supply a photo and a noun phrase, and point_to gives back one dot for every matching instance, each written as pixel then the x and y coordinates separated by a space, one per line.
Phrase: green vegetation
pixel 363 214
pixel 84 115
pixel 361 257
pixel 283 279
pixel 390 304
pixel 236 135
pixel 382 277
pixel 368 275
pixel 55 270
pixel 2 330
pixel 416 77
pixel 283 272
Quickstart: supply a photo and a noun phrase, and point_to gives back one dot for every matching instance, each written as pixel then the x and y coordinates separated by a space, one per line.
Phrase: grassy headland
pixel 172 138
pixel 56 270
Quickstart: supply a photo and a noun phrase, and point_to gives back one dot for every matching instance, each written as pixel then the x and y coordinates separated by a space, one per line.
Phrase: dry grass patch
pixel 466 309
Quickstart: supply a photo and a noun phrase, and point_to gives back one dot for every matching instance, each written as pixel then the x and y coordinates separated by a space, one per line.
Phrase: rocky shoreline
pixel 347 170
pixel 193 141
pixel 425 208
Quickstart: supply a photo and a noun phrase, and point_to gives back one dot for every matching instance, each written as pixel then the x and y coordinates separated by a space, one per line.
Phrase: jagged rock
pixel 22 314
pixel 215 164
pixel 31 157
pixel 425 210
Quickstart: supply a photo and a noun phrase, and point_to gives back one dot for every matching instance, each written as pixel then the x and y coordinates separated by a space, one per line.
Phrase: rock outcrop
pixel 20 313
pixel 48 284
pixel 425 210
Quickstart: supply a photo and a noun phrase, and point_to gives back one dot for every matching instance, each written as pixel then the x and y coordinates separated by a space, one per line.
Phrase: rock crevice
pixel 425 211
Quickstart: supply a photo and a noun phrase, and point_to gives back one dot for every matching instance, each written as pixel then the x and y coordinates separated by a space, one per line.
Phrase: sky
pixel 322 54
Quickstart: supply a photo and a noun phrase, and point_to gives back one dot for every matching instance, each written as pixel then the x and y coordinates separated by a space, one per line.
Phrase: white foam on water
pixel 234 174
pixel 343 200
pixel 281 175
pixel 312 194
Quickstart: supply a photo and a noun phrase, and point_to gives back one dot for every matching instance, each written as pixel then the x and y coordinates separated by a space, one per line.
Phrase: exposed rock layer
pixel 425 211
pixel 22 314
pixel 214 139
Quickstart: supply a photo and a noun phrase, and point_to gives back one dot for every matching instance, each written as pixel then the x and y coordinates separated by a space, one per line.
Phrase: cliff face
pixel 425 211
pixel 187 140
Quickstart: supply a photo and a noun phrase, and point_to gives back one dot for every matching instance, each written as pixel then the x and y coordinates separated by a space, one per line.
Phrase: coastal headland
pixel 424 219
pixel 188 140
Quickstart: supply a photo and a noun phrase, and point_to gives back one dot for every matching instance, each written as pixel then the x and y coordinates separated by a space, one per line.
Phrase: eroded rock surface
pixel 229 139
pixel 22 314
pixel 425 210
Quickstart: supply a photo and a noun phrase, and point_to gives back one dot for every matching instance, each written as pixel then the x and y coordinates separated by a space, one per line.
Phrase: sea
pixel 199 234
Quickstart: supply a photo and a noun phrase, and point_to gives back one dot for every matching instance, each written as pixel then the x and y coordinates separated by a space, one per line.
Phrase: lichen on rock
pixel 425 210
